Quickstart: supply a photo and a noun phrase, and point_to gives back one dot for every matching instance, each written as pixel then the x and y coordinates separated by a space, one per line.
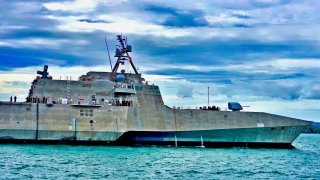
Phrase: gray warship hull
pixel 123 125
pixel 112 108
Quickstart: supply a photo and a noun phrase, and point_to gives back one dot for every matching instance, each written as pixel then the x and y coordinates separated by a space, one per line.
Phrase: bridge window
pixel 139 88
pixel 81 112
pixel 130 87
pixel 86 112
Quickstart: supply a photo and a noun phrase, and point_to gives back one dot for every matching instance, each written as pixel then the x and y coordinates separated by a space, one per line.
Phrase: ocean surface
pixel 99 162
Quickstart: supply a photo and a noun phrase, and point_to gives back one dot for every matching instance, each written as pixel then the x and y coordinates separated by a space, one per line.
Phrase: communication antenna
pixel 122 53
pixel 105 39
pixel 208 96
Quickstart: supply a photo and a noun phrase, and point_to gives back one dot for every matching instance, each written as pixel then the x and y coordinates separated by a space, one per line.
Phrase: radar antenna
pixel 122 52
pixel 44 74
pixel 105 39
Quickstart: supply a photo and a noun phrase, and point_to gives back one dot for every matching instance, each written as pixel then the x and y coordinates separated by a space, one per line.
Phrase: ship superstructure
pixel 121 108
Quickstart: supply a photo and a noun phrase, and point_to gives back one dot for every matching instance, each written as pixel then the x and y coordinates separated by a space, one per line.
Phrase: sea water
pixel 100 162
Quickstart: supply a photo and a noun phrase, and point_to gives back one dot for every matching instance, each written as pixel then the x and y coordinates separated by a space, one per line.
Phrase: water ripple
pixel 98 162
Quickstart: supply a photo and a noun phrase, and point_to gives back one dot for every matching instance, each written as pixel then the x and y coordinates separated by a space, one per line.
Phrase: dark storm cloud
pixel 234 83
pixel 33 33
pixel 15 58
pixel 178 18
pixel 224 76
pixel 215 51
pixel 241 25
pixel 287 90
pixel 267 4
pixel 70 53
pixel 241 16
pixel 92 21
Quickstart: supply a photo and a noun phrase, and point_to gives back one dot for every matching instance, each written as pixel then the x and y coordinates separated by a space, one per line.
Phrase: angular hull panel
pixel 246 137
pixel 250 137
pixel 116 125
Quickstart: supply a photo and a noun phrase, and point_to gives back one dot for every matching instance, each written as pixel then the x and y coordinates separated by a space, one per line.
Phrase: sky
pixel 264 54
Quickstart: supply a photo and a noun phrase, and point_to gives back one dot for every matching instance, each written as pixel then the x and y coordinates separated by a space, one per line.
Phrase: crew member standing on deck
pixel 11 99
pixel 15 98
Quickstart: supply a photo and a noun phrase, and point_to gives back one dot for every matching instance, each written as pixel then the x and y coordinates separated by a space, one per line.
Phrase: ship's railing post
pixel 175 141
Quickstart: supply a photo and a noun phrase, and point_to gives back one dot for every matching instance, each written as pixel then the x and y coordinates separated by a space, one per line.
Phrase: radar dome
pixel 234 106
pixel 120 78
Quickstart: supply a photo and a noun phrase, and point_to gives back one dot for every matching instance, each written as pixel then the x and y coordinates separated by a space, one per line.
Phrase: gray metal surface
pixel 104 120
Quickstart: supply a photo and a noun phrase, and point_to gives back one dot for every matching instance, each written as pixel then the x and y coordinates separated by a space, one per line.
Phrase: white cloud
pixel 129 23
pixel 224 19
pixel 274 66
pixel 287 64
pixel 6 77
pixel 268 24
pixel 40 43
pixel 5 28
pixel 79 5
pixel 116 25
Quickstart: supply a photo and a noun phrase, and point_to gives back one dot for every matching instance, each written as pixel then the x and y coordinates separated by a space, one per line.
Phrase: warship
pixel 121 108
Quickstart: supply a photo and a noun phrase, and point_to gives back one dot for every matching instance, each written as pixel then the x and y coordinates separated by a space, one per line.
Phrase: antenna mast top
pixel 122 52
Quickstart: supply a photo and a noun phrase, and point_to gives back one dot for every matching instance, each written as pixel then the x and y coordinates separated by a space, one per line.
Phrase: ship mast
pixel 122 52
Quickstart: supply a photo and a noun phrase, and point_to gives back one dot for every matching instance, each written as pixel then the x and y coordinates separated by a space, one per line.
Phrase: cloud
pixel 288 90
pixel 92 21
pixel 276 79
pixel 175 18
pixel 214 51
pixel 13 88
pixel 186 20
pixel 39 43
pixel 251 51
pixel 313 91
pixel 73 6
pixel 125 25
pixel 185 92
pixel 242 16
